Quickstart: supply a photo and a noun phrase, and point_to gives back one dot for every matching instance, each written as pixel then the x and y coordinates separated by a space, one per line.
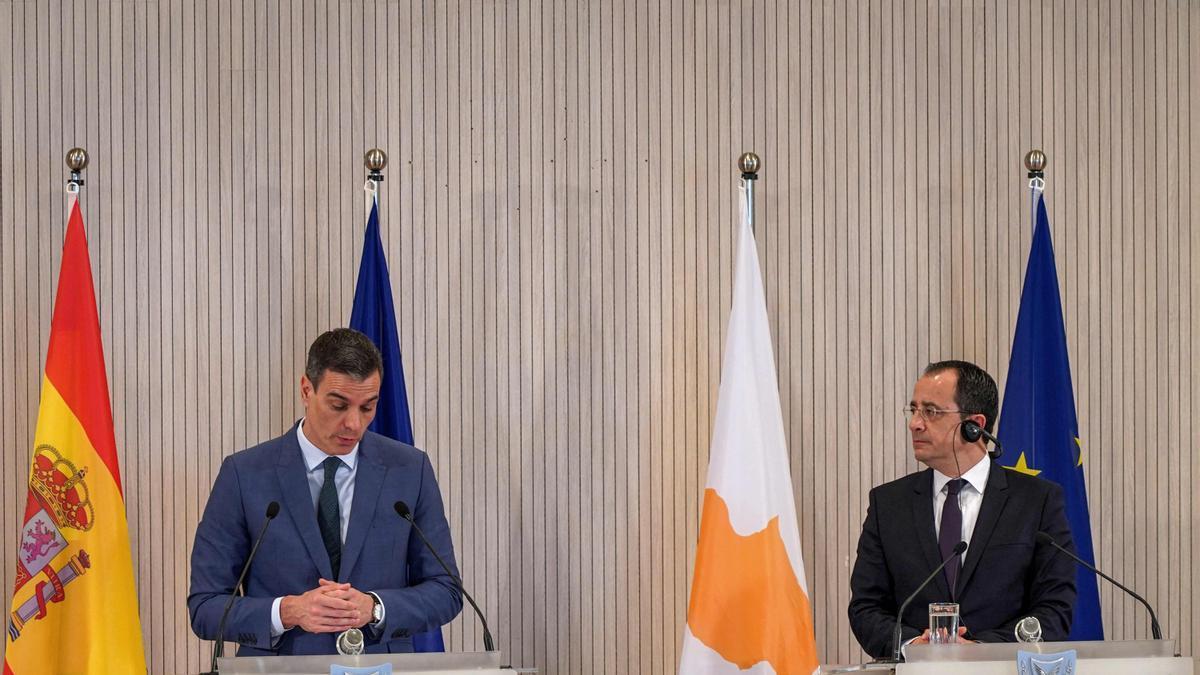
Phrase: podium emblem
pixel 1062 663
pixel 382 669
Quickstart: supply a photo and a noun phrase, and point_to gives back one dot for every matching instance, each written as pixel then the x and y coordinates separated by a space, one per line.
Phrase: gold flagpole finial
pixel 1035 161
pixel 77 161
pixel 749 164
pixel 375 160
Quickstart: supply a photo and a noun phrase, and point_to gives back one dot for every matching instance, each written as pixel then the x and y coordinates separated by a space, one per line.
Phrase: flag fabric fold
pixel 1038 426
pixel 749 607
pixel 74 603
pixel 374 314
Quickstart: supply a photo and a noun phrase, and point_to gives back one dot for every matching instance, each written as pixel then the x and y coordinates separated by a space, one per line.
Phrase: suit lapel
pixel 994 499
pixel 922 514
pixel 293 483
pixel 368 482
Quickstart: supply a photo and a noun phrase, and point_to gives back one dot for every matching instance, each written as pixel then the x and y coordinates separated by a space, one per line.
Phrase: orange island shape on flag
pixel 745 584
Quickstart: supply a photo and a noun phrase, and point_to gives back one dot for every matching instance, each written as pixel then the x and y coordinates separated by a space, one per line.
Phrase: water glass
pixel 943 623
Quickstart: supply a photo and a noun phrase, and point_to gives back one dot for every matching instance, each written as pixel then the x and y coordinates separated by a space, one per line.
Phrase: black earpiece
pixel 971 432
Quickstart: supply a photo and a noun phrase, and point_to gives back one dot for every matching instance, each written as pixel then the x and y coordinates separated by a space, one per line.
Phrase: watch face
pixel 377 611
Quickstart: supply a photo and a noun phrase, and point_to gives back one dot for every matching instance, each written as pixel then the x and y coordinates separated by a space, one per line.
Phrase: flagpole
pixel 77 161
pixel 749 164
pixel 1035 164
pixel 375 160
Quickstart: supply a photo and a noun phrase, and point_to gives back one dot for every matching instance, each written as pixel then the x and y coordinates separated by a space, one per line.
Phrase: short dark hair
pixel 975 392
pixel 343 350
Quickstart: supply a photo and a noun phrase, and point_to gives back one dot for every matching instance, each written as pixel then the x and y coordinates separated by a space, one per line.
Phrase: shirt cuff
pixel 904 647
pixel 277 628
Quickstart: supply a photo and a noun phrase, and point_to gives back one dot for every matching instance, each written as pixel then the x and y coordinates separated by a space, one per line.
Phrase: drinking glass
pixel 943 623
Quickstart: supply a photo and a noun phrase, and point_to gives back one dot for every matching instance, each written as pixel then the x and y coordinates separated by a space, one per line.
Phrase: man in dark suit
pixel 337 556
pixel 913 523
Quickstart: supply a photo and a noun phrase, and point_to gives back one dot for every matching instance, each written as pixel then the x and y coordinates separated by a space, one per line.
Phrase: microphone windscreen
pixel 960 547
pixel 402 509
pixel 272 510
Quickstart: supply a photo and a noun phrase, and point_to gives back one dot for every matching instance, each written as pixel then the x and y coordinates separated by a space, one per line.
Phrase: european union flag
pixel 374 314
pixel 1038 426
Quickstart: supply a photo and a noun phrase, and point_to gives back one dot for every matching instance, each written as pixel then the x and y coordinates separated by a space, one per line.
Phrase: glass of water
pixel 943 623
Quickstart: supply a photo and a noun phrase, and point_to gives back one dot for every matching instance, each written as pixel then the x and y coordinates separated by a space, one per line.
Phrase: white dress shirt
pixel 343 480
pixel 970 497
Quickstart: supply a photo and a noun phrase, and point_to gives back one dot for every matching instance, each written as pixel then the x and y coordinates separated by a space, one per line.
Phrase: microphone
pixel 958 549
pixel 1154 629
pixel 350 642
pixel 973 432
pixel 405 513
pixel 1028 630
pixel 219 645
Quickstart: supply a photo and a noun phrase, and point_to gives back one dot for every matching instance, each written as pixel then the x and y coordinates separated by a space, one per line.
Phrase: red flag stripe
pixel 75 360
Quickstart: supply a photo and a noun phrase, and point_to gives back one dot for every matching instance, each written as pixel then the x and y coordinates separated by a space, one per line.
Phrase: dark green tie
pixel 329 516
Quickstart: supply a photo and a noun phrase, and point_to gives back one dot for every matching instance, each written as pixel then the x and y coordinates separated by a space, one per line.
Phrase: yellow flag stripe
pixel 95 627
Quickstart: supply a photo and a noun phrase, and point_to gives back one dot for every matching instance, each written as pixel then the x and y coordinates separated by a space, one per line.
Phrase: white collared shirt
pixel 343 480
pixel 970 497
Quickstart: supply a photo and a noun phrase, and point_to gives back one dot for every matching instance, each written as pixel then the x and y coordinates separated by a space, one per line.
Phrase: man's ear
pixel 306 388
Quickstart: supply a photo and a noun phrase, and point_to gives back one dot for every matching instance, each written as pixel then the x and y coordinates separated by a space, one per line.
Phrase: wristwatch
pixel 376 609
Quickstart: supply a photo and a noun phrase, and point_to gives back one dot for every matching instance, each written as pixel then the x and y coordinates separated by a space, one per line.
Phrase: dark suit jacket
pixel 1007 574
pixel 380 553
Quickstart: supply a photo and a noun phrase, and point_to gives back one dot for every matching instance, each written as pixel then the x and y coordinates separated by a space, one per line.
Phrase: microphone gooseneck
pixel 404 512
pixel 219 646
pixel 958 550
pixel 1155 630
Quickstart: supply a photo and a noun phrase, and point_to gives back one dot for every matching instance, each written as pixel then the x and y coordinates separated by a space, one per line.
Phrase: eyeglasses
pixel 930 413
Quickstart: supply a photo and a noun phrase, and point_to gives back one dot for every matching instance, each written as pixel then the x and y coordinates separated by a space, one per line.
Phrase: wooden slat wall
pixel 558 214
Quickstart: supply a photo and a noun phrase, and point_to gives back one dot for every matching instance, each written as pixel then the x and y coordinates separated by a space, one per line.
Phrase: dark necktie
pixel 329 516
pixel 951 532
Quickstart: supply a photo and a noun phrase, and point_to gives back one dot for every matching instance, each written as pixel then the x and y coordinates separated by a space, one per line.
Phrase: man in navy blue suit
pixel 914 523
pixel 338 556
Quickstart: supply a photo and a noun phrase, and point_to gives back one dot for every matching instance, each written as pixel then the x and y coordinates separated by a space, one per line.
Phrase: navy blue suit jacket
pixel 1007 575
pixel 381 554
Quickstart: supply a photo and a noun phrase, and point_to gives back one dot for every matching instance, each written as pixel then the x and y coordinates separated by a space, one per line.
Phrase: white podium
pixel 447 663
pixel 1108 657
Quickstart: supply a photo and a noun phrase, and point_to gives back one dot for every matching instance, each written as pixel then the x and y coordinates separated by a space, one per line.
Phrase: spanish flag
pixel 749 608
pixel 74 606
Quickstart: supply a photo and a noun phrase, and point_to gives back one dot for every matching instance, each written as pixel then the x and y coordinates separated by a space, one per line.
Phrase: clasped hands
pixel 329 608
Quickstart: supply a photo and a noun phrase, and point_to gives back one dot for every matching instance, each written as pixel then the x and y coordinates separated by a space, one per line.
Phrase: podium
pixel 1094 658
pixel 441 663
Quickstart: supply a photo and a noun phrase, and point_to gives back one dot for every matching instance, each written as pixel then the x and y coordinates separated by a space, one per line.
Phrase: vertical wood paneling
pixel 558 215
pixel 1189 59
